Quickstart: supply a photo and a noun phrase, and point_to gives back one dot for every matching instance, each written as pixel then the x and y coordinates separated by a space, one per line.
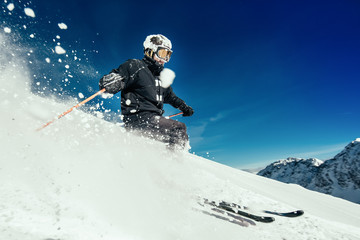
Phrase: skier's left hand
pixel 187 110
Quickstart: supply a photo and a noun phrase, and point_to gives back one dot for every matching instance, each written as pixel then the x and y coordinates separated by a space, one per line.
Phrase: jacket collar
pixel 153 65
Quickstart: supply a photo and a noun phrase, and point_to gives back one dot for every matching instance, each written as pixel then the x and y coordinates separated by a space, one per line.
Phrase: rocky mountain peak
pixel 339 176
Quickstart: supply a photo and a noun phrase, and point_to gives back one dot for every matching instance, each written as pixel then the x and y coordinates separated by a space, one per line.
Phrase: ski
pixel 224 215
pixel 221 215
pixel 238 210
pixel 227 207
pixel 292 214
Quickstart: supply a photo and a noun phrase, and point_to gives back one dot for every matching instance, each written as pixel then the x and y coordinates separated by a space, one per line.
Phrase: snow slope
pixel 85 178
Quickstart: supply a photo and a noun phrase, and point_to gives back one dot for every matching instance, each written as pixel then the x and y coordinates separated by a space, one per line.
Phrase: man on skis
pixel 143 96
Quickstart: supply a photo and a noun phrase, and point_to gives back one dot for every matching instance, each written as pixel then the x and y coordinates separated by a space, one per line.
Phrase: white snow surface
pixel 84 178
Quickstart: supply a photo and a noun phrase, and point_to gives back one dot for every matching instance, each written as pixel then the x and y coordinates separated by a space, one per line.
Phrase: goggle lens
pixel 164 53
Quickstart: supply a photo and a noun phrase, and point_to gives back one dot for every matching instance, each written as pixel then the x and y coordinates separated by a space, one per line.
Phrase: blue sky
pixel 267 79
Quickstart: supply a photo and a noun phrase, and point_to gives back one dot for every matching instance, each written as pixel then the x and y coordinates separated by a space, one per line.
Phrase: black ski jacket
pixel 140 87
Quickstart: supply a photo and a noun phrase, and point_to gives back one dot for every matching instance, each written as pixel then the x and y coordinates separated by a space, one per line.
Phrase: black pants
pixel 159 128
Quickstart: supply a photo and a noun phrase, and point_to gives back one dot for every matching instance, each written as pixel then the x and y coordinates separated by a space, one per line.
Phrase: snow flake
pixel 11 6
pixel 47 60
pixel 7 30
pixel 62 26
pixel 167 77
pixel 81 95
pixel 29 12
pixel 59 50
pixel 128 102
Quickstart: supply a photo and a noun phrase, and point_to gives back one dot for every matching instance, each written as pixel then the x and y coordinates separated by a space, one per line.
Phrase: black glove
pixel 112 82
pixel 187 110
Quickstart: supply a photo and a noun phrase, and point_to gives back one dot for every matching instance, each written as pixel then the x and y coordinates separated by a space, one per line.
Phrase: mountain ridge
pixel 338 176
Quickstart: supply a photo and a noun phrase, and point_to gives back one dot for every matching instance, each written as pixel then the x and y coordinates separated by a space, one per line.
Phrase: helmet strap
pixel 148 52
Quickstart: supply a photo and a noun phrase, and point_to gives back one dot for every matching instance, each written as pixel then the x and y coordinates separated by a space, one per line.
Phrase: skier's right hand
pixel 186 109
pixel 112 82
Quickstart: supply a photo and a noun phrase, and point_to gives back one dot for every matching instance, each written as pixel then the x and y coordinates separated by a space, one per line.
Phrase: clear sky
pixel 267 79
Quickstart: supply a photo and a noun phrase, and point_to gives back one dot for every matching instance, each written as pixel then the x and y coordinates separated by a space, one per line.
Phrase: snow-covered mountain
pixel 292 170
pixel 339 176
pixel 86 178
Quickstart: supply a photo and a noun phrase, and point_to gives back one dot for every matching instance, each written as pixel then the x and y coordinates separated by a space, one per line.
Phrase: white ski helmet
pixel 158 44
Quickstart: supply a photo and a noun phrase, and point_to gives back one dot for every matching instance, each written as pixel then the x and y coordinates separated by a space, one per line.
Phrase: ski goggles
pixel 164 54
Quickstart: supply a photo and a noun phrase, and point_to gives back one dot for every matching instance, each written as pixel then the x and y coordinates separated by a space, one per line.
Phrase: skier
pixel 142 95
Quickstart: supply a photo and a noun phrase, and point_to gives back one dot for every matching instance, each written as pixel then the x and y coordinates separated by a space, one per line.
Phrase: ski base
pixel 214 211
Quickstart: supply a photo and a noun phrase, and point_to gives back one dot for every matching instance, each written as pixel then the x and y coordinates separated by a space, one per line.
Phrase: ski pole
pixel 175 115
pixel 68 111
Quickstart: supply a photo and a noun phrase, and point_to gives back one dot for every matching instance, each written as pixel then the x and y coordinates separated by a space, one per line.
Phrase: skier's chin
pixel 162 63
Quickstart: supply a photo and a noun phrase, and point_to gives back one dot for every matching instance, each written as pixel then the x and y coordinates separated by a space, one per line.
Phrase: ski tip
pixel 296 213
pixel 292 214
pixel 299 212
pixel 267 219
